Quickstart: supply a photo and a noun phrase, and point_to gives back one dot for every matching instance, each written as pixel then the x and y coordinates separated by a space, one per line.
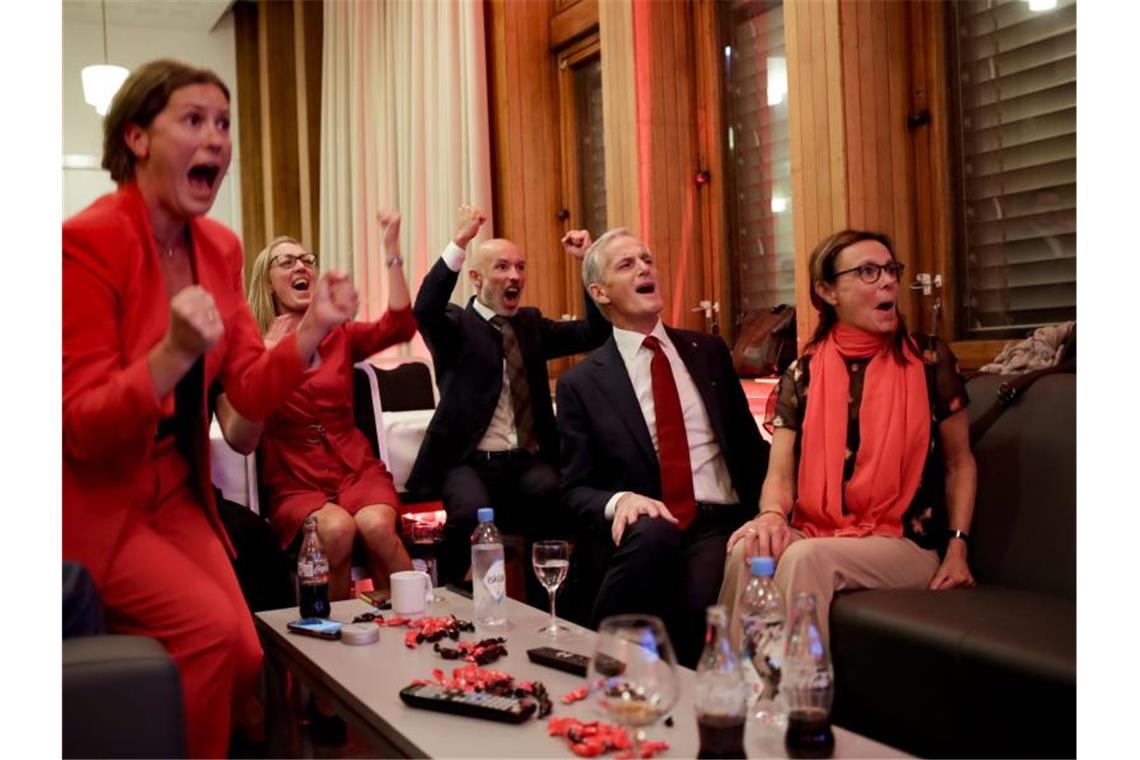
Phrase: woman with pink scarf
pixel 871 479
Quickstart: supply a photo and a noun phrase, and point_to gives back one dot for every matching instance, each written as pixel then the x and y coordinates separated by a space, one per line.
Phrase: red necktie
pixel 672 443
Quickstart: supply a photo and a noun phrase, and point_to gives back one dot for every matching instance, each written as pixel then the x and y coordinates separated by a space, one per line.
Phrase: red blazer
pixel 115 309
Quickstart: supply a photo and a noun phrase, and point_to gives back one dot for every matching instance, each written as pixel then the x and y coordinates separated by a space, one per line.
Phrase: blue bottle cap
pixel 486 514
pixel 763 566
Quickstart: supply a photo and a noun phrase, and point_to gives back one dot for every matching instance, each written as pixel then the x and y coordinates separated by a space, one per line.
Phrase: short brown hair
pixel 141 98
pixel 822 268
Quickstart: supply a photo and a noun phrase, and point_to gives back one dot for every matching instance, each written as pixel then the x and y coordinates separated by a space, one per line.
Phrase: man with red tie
pixel 661 458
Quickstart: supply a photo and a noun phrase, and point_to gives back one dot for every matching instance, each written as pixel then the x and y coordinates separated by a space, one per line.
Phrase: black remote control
pixel 473 704
pixel 571 662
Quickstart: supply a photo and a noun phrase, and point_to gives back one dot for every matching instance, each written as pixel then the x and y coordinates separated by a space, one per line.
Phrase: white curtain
pixel 404 125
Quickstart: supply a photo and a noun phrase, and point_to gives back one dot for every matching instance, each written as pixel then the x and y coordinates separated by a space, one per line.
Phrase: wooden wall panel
pixel 249 139
pixel 932 185
pixel 817 135
pixel 649 82
pixel 880 156
pixel 526 146
pixel 278 48
pixel 712 207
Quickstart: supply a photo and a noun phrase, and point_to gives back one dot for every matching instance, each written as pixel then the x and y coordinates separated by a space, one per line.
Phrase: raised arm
pixel 568 337
pixel 389 222
pixel 257 381
pixel 431 303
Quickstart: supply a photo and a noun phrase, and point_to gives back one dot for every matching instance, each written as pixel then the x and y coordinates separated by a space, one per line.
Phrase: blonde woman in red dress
pixel 313 459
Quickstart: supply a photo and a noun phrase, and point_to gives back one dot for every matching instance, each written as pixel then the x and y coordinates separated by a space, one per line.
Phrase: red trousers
pixel 171 579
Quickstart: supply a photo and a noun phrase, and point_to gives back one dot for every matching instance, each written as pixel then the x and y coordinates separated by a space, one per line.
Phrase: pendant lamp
pixel 102 81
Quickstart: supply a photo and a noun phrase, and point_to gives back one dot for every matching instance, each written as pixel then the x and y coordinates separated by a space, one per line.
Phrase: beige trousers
pixel 823 566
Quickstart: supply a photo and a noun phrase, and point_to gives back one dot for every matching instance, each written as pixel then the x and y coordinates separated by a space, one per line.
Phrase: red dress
pixel 311 450
pixel 138 511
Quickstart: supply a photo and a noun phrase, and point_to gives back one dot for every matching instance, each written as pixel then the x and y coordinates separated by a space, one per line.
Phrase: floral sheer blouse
pixel 925 520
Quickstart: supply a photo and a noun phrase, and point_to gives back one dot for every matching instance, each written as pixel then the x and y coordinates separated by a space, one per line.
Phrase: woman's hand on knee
pixel 764 536
pixel 954 572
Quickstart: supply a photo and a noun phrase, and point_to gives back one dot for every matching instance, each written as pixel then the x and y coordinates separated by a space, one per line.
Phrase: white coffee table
pixel 363 682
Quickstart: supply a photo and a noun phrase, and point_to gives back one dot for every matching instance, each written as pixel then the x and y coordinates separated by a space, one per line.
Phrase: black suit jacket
pixel 468 354
pixel 606 445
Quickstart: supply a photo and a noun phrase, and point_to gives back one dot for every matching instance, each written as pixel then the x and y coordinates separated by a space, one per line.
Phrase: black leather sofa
pixel 989 671
pixel 121 694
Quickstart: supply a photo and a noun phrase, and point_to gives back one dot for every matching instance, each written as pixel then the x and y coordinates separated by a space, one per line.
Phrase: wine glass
pixel 633 673
pixel 551 561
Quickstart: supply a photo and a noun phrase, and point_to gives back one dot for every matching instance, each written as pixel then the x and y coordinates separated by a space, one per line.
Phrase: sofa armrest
pixel 121 698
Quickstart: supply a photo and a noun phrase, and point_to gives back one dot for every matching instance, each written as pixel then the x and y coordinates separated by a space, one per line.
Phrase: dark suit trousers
pixel 524 492
pixel 675 575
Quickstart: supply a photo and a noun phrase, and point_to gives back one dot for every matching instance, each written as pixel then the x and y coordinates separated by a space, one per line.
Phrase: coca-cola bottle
pixel 313 573
pixel 722 693
pixel 807 684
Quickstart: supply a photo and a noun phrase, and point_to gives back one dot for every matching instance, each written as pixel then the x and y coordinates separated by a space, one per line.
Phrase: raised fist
pixel 470 220
pixel 195 325
pixel 576 242
pixel 389 222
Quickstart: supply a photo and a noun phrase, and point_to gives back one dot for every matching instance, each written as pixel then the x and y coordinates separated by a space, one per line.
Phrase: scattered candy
pixel 479 652
pixel 576 695
pixel 592 738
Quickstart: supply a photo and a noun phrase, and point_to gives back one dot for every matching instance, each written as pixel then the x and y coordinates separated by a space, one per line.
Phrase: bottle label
pixel 495 580
pixel 313 570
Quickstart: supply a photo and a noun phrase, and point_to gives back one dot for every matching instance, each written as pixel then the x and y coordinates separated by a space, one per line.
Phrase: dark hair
pixel 141 98
pixel 822 269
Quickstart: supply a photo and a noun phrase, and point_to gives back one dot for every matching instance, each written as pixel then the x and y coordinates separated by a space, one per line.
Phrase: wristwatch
pixel 955 533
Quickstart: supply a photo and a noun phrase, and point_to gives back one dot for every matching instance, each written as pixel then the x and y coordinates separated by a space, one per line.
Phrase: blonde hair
pixel 261 300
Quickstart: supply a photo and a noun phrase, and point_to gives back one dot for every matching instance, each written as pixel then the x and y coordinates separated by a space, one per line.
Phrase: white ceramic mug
pixel 411 591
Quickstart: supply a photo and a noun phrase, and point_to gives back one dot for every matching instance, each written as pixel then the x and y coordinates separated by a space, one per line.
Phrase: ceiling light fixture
pixel 101 82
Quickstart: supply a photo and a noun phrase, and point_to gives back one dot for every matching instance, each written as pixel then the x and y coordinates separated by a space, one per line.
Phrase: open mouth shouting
pixel 646 288
pixel 511 296
pixel 204 178
pixel 300 284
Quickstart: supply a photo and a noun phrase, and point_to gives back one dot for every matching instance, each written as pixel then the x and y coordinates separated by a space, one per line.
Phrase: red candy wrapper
pixel 593 738
pixel 576 695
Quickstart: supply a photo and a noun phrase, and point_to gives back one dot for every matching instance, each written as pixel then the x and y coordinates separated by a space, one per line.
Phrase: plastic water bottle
pixel 313 573
pixel 762 630
pixel 722 694
pixel 488 572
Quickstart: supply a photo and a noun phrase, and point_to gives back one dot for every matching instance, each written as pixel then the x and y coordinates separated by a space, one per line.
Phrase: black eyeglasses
pixel 870 273
pixel 287 260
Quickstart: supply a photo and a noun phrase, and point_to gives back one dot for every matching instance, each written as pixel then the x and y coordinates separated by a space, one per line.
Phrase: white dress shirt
pixel 711 481
pixel 501 434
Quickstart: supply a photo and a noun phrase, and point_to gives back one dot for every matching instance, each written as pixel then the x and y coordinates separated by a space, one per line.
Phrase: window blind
pixel 1015 81
pixel 758 160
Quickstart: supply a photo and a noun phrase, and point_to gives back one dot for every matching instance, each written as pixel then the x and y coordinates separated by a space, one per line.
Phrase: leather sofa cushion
pixel 121 698
pixel 970 672
pixel 1025 516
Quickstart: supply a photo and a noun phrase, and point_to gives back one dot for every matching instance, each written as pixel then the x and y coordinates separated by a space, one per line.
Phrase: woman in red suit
pixel 314 460
pixel 152 313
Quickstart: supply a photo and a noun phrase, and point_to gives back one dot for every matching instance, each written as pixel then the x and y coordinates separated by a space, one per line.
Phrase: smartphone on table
pixel 318 627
